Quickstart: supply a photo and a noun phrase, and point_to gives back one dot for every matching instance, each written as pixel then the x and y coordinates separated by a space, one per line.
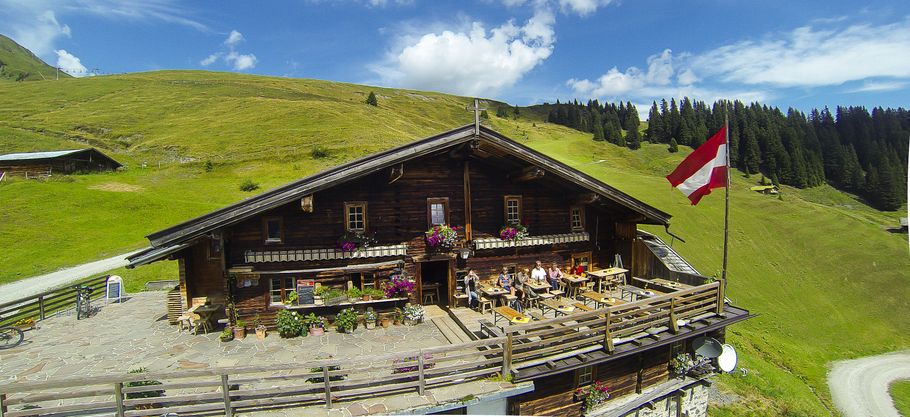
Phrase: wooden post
pixel 2 405
pixel 507 357
pixel 41 307
pixel 421 386
pixel 328 387
pixel 608 338
pixel 721 297
pixel 468 231
pixel 674 326
pixel 226 393
pixel 118 397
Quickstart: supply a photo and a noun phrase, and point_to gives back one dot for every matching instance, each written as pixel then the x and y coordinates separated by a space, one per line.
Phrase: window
pixel 512 208
pixel 437 211
pixel 576 216
pixel 584 376
pixel 583 259
pixel 279 289
pixel 273 229
pixel 355 216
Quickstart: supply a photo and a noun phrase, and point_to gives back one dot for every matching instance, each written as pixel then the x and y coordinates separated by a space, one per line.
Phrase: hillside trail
pixel 30 286
pixel 859 387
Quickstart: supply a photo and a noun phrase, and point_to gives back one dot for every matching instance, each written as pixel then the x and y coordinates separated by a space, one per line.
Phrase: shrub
pixel 226 335
pixel 248 185
pixel 289 324
pixel 319 152
pixel 346 319
pixel 145 383
pixel 208 166
pixel 312 320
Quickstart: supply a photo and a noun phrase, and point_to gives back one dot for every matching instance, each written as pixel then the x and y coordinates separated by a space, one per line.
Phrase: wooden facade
pixel 254 251
pixel 42 164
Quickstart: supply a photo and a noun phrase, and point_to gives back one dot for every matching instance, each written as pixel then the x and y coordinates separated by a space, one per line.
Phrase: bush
pixel 143 394
pixel 346 319
pixel 319 152
pixel 248 185
pixel 209 166
pixel 290 324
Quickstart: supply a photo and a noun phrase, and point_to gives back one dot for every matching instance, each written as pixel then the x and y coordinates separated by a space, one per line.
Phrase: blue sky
pixel 783 53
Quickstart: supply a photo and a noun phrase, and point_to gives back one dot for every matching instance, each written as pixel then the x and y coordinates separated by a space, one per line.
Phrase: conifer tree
pixel 371 99
pixel 633 139
pixel 673 146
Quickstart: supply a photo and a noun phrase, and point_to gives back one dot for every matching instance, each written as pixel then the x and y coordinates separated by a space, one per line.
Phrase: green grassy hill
pixel 20 64
pixel 827 281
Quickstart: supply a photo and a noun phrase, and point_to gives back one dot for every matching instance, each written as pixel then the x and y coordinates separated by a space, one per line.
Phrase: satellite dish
pixel 708 347
pixel 727 359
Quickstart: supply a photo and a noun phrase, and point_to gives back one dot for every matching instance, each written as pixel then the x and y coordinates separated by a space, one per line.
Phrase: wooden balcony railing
pixel 324 382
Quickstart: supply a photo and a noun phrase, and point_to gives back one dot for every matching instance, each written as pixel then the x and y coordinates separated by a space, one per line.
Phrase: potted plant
pixel 351 242
pixel 289 324
pixel 25 324
pixel 315 324
pixel 413 314
pixel 369 319
pixel 385 321
pixel 398 287
pixel 292 298
pixel 226 335
pixel 442 237
pixel 513 232
pixel 354 294
pixel 397 316
pixel 593 395
pixel 239 329
pixel 260 328
pixel 375 293
pixel 346 320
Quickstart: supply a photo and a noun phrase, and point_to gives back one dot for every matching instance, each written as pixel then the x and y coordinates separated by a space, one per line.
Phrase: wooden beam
pixel 468 232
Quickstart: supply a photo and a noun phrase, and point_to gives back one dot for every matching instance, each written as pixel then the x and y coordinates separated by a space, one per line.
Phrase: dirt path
pixel 859 387
pixel 37 284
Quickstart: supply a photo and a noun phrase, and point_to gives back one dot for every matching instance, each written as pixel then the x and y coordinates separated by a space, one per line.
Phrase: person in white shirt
pixel 539 273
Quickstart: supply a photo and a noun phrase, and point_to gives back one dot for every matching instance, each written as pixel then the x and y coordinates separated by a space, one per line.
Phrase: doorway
pixel 434 279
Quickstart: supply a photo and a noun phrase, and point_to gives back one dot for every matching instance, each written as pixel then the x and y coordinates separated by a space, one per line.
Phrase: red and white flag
pixel 703 169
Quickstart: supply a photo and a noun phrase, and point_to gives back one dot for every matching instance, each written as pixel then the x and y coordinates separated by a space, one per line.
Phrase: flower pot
pixel 397 322
pixel 371 325
pixel 260 333
pixel 317 331
pixel 385 322
pixel 239 333
pixel 409 322
pixel 366 297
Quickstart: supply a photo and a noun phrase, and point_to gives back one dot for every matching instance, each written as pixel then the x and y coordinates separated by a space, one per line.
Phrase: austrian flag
pixel 703 169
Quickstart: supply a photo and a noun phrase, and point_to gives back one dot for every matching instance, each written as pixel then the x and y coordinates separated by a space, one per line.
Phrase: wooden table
pixel 205 313
pixel 600 299
pixel 510 315
pixel 538 286
pixel 558 305
pixel 638 292
pixel 673 285
pixel 609 276
pixel 574 282
pixel 494 292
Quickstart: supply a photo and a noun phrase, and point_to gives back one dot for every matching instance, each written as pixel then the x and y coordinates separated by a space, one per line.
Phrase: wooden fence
pixel 42 306
pixel 324 382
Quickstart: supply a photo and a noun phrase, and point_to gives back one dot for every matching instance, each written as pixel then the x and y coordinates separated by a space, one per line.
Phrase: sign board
pixel 306 291
pixel 114 288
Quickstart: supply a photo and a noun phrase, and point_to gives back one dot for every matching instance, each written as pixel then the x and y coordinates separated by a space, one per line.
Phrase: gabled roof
pixel 350 171
pixel 26 156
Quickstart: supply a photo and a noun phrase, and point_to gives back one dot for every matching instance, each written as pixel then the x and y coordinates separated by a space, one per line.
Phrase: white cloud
pixel 871 86
pixel 70 64
pixel 474 61
pixel 236 60
pixel 39 32
pixel 615 83
pixel 233 38
pixel 580 7
pixel 807 57
pixel 209 60
pixel 240 62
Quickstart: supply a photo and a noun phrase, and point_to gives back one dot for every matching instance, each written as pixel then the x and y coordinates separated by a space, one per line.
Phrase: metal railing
pixel 41 306
pixel 324 382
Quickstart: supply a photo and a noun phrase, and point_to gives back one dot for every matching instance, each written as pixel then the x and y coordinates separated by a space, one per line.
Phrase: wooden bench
pixel 489 329
pixel 582 307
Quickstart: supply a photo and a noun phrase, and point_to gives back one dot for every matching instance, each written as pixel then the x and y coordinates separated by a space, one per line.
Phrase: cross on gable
pixel 477 110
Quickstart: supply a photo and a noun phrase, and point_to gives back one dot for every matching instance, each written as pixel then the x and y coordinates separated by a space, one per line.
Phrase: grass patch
pixel 900 393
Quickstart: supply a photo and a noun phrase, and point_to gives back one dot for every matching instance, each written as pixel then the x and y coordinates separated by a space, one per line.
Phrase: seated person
pixel 518 290
pixel 555 275
pixel 470 286
pixel 504 280
pixel 523 278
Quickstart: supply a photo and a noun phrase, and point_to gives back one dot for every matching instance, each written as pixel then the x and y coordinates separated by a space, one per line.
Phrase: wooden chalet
pixel 42 164
pixel 255 251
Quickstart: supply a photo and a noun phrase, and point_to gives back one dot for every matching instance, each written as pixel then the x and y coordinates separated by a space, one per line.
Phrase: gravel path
pixel 38 284
pixel 859 387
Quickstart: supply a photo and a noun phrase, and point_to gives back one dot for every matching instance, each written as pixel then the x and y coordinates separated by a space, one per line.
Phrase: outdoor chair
pixel 429 298
pixel 184 322
pixel 532 300
pixel 561 291
pixel 196 323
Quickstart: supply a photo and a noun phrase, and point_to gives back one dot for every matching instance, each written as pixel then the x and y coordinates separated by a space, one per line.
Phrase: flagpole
pixel 727 192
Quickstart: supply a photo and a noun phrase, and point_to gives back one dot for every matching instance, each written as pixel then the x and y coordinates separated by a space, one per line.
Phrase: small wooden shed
pixel 42 164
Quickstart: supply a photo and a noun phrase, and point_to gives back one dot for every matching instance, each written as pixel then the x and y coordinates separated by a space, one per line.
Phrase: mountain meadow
pixel 825 277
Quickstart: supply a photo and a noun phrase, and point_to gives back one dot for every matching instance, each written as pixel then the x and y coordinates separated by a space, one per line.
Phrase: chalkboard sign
pixel 306 291
pixel 114 288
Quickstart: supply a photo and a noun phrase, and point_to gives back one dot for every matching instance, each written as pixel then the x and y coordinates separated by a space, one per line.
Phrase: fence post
pixel 41 307
pixel 226 392
pixel 118 397
pixel 2 405
pixel 328 387
pixel 608 338
pixel 674 326
pixel 420 365
pixel 720 297
pixel 507 357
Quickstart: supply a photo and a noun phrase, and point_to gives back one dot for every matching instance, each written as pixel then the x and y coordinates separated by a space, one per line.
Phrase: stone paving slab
pixel 135 334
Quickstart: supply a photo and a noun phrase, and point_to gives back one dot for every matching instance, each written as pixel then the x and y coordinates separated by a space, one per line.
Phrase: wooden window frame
pixel 581 219
pixel 445 206
pixel 348 205
pixel 580 372
pixel 265 231
pixel 283 291
pixel 581 255
pixel 214 248
pixel 505 208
